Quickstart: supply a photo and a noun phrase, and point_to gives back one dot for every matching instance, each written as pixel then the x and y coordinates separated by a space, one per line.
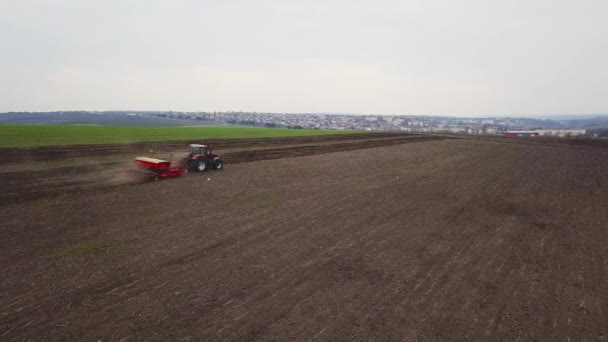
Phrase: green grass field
pixel 54 135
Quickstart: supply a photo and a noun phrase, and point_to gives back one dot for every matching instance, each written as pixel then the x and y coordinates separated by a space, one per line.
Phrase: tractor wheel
pixel 218 164
pixel 200 165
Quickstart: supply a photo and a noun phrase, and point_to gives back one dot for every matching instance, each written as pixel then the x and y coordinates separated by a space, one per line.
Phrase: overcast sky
pixel 465 57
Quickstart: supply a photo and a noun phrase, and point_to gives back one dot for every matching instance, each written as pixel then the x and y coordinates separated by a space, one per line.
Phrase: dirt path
pixel 434 241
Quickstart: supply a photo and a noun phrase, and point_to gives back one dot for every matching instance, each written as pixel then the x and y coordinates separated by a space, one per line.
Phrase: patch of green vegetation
pixel 57 135
pixel 84 249
pixel 267 200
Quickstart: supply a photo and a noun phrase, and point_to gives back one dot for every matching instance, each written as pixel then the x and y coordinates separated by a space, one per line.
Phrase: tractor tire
pixel 218 164
pixel 200 165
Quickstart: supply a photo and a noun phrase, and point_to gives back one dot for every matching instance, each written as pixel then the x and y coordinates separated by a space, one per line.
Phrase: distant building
pixel 520 133
pixel 561 132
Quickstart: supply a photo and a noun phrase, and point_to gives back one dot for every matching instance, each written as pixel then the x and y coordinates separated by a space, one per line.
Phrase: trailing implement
pixel 156 169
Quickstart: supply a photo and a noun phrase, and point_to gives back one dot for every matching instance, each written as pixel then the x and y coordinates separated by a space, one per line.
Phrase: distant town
pixel 590 127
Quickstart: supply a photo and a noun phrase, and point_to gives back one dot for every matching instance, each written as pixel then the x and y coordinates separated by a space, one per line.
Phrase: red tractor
pixel 200 158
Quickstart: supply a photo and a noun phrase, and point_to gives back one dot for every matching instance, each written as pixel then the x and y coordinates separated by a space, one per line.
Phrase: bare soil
pixel 437 240
pixel 59 170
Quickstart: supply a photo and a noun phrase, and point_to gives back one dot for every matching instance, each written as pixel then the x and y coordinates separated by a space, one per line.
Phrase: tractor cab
pixel 196 149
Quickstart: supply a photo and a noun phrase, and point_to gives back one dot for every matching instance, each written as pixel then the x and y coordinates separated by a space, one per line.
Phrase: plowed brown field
pixel 34 178
pixel 435 240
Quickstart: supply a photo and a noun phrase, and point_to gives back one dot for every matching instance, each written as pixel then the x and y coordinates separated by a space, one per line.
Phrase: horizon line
pixel 524 116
